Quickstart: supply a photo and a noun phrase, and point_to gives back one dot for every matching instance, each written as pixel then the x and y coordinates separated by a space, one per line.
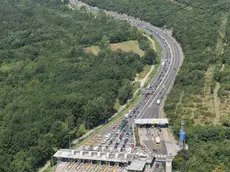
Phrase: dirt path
pixel 180 100
pixel 152 41
pixel 216 104
pixel 143 81
pixel 45 167
pixel 222 68
pixel 219 51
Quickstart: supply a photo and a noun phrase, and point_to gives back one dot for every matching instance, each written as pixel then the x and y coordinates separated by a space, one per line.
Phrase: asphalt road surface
pixel 162 84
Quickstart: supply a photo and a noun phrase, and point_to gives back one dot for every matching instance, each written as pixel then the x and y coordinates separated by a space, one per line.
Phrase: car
pixel 158 102
pixel 157 165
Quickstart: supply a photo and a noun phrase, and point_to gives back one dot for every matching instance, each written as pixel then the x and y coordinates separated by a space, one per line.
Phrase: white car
pixel 158 102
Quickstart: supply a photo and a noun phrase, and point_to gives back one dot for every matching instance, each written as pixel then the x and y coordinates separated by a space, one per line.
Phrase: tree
pixel 125 93
pixel 150 56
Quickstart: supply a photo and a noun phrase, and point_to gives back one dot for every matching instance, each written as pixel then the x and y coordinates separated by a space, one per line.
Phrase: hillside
pixel 50 88
pixel 201 93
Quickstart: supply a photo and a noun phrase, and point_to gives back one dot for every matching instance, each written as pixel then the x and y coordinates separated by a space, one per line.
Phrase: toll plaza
pixel 94 157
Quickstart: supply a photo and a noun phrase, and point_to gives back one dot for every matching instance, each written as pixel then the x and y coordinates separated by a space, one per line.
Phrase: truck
pixel 163 63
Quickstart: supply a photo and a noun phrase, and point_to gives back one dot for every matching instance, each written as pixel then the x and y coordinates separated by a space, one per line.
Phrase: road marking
pixel 163 80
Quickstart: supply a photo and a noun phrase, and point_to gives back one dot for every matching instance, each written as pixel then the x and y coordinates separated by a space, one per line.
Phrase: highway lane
pixel 175 57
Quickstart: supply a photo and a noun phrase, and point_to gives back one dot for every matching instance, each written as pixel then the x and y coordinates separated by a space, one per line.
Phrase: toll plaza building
pixel 132 162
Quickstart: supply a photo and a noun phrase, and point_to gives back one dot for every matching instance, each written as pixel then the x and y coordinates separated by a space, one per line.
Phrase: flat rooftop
pixel 101 156
pixel 160 121
pixel 136 166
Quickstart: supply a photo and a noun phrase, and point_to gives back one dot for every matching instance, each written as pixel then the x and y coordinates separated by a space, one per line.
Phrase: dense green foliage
pixel 224 76
pixel 51 88
pixel 209 149
pixel 195 25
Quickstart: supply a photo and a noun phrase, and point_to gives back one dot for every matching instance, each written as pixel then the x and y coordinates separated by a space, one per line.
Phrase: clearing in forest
pixel 126 46
pixel 93 49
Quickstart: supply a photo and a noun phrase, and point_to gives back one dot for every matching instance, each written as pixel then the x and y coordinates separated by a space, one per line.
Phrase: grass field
pixel 93 49
pixel 126 46
pixel 50 169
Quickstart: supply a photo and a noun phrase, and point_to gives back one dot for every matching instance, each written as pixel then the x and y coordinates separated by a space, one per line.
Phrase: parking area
pixel 87 167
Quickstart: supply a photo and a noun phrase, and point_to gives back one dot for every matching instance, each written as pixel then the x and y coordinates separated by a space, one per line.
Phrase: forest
pixel 201 93
pixel 50 87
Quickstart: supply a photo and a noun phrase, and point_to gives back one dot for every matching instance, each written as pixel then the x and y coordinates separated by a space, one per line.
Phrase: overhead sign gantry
pixel 152 121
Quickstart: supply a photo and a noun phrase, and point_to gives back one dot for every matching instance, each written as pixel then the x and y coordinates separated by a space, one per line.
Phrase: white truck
pixel 162 64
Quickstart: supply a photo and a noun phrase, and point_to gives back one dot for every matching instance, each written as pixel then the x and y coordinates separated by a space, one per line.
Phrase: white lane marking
pixel 166 75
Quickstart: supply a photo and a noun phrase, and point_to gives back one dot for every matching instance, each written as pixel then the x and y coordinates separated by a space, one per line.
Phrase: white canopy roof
pixel 161 121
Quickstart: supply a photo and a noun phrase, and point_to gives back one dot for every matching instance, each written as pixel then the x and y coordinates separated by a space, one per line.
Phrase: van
pixel 158 102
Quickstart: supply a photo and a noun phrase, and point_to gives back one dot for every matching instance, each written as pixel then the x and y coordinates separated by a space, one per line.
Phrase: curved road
pixel 172 55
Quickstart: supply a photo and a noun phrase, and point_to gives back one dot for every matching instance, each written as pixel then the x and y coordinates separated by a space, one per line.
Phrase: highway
pixel 150 106
pixel 171 55
pixel 163 83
